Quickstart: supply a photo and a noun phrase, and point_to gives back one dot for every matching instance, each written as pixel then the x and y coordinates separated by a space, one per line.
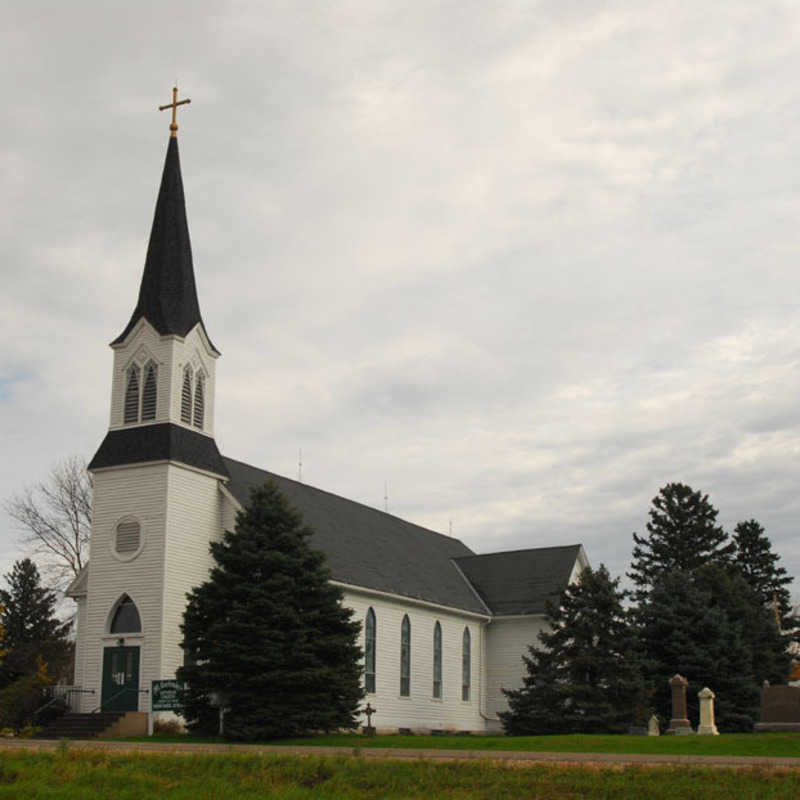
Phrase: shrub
pixel 171 726
pixel 20 699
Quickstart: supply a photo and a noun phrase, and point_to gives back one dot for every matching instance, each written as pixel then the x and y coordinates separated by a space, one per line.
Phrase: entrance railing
pixel 63 694
pixel 104 704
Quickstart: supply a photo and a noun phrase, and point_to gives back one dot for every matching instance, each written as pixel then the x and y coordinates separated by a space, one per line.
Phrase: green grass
pixel 730 744
pixel 76 775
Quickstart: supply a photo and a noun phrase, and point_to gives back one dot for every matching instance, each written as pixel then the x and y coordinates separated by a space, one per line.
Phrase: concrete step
pixel 80 726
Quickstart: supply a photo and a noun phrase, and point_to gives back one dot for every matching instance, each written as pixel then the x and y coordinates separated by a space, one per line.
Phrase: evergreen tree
pixel 32 630
pixel 2 634
pixel 266 635
pixel 708 626
pixel 682 535
pixel 759 567
pixel 586 677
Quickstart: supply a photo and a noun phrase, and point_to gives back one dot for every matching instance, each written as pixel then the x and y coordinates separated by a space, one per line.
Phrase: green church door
pixel 120 679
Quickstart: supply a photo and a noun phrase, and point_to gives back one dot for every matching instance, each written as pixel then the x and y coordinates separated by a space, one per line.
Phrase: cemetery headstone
pixel 368 729
pixel 679 724
pixel 707 726
pixel 780 708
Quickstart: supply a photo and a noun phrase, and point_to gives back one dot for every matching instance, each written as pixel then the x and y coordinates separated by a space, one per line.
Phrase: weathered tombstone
pixel 367 729
pixel 679 724
pixel 653 728
pixel 707 726
pixel 780 708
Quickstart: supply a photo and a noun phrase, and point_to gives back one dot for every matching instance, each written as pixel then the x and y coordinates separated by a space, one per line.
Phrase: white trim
pixel 134 332
pixel 126 557
pixel 226 493
pixel 400 598
pixel 498 617
pixel 159 462
pixel 110 619
pixel 113 637
pixel 144 321
pixel 482 697
pixel 140 362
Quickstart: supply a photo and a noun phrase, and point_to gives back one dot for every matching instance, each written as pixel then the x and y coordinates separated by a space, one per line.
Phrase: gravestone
pixel 679 724
pixel 707 726
pixel 653 728
pixel 780 708
pixel 368 729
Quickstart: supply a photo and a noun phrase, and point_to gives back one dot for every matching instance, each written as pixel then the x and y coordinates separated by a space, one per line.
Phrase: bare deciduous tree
pixel 55 517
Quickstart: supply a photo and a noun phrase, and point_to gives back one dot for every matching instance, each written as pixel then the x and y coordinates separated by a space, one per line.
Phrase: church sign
pixel 167 696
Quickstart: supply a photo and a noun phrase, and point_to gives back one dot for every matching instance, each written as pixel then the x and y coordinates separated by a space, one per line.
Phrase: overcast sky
pixel 525 262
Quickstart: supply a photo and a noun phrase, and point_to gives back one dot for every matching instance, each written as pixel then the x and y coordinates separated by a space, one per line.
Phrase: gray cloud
pixel 527 263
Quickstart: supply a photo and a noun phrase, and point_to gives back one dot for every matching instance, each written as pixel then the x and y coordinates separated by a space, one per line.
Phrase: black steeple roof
pixel 168 295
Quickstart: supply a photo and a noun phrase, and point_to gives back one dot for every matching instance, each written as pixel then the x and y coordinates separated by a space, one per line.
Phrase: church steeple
pixel 163 385
pixel 168 295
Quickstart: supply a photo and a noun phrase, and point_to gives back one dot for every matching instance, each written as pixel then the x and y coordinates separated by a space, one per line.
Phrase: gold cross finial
pixel 174 106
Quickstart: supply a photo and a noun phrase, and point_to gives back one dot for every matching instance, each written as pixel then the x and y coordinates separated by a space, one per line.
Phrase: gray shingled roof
pixel 160 442
pixel 520 581
pixel 80 584
pixel 369 548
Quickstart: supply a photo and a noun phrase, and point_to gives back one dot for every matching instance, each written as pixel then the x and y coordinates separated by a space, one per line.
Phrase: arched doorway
pixel 120 691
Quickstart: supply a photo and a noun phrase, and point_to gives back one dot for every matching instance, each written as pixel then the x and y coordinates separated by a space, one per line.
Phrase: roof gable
pixel 520 581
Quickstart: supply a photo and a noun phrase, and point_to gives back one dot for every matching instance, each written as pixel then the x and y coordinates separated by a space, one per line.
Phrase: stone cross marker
pixel 707 726
pixel 679 723
pixel 368 729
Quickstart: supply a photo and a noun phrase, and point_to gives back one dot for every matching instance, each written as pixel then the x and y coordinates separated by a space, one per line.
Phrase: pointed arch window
pixel 149 392
pixel 437 660
pixel 131 412
pixel 369 652
pixel 126 617
pixel 199 401
pixel 466 665
pixel 186 397
pixel 405 657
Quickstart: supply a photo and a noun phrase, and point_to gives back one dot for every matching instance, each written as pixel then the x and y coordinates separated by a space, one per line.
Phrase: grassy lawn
pixel 75 775
pixel 730 744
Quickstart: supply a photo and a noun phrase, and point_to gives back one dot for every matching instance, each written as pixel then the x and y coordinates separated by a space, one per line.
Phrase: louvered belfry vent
pixel 199 402
pixel 131 413
pixel 186 397
pixel 128 537
pixel 149 393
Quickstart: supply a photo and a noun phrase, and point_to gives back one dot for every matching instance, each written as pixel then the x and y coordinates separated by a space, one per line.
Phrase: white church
pixel 443 629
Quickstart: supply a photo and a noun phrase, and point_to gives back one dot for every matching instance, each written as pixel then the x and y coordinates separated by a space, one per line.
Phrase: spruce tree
pixel 708 626
pixel 587 675
pixel 266 636
pixel 759 567
pixel 682 535
pixel 32 630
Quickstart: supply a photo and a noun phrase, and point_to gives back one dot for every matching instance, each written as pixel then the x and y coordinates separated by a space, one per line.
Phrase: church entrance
pixel 120 679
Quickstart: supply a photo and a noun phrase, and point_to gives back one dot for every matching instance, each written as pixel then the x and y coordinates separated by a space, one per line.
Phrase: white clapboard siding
pixel 420 711
pixel 122 493
pixel 80 641
pixel 194 518
pixel 507 640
